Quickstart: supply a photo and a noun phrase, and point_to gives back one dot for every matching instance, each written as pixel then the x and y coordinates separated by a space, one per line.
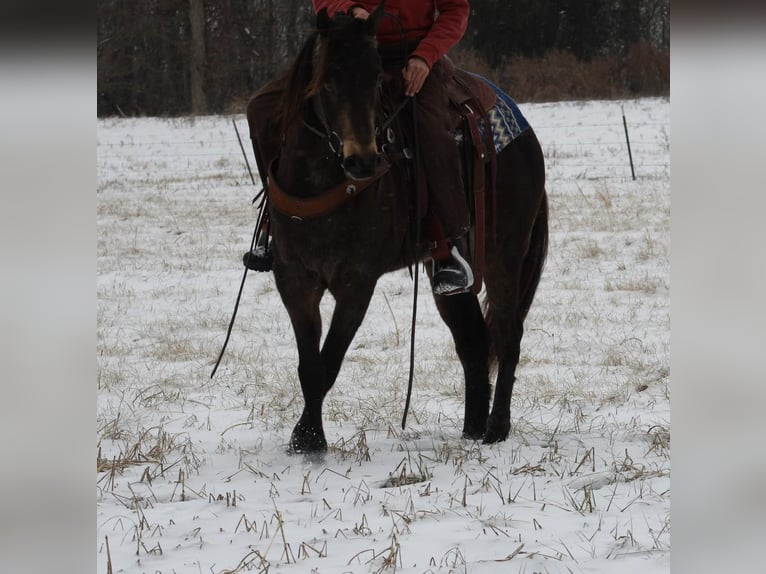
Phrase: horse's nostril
pixel 357 166
pixel 351 162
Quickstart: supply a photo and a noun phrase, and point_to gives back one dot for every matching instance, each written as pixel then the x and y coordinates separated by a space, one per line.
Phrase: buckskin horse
pixel 339 212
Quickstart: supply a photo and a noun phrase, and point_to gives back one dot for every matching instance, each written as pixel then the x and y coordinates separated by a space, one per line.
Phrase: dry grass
pixel 187 466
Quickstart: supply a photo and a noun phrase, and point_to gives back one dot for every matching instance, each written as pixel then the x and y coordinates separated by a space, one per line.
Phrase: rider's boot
pixel 261 257
pixel 452 275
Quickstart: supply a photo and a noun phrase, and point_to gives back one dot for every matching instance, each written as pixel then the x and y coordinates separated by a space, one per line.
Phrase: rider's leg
pixel 262 119
pixel 441 160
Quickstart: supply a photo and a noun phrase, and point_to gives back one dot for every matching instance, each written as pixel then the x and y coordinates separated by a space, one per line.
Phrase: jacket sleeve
pixel 334 6
pixel 447 30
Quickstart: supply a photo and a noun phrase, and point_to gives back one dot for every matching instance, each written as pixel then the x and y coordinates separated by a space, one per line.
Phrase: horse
pixel 336 211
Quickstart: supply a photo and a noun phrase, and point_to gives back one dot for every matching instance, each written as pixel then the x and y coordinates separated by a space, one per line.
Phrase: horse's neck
pixel 307 165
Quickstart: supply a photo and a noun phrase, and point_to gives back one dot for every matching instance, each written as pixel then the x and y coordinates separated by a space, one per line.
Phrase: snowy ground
pixel 192 473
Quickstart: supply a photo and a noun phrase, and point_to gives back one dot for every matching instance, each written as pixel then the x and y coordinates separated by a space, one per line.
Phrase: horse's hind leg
pixel 463 316
pixel 507 330
pixel 506 310
pixel 514 265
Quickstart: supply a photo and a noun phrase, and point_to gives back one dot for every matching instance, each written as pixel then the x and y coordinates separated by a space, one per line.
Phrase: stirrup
pixel 452 276
pixel 260 258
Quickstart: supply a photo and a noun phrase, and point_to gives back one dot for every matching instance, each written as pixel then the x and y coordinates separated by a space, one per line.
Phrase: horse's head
pixel 345 87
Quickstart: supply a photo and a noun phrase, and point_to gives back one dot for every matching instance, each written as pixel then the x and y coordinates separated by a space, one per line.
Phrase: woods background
pixel 174 57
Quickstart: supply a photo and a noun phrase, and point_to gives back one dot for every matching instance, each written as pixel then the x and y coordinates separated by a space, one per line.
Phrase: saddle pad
pixel 506 120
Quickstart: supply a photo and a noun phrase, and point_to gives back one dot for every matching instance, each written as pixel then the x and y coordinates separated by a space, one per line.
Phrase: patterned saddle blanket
pixel 505 118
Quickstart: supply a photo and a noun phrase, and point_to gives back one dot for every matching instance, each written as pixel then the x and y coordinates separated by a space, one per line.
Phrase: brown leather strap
pixel 327 202
pixel 438 243
pixel 472 117
pixel 473 98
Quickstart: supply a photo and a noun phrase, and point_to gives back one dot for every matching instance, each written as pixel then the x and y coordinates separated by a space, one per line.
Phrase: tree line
pixel 174 57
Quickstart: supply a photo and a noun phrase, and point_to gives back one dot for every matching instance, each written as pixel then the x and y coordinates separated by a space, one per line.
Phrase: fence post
pixel 627 139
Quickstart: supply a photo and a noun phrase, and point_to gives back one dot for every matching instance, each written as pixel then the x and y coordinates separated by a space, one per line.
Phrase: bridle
pixel 331 136
pixel 334 141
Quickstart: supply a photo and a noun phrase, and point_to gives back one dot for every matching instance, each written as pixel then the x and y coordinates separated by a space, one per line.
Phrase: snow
pixel 193 474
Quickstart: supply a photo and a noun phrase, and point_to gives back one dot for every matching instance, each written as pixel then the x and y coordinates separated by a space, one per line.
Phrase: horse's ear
pixel 376 17
pixel 323 21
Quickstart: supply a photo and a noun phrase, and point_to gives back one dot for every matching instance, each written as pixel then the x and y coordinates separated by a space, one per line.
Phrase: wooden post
pixel 627 139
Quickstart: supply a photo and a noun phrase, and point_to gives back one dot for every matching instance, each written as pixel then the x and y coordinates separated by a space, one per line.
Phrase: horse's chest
pixel 332 242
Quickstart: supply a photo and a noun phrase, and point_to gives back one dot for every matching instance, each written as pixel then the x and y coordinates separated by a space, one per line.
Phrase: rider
pixel 424 74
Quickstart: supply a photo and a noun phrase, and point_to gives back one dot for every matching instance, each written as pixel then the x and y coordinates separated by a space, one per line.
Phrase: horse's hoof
pixel 473 433
pixel 497 431
pixel 306 441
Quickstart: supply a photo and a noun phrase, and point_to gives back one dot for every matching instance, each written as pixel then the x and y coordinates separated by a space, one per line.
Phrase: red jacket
pixel 437 35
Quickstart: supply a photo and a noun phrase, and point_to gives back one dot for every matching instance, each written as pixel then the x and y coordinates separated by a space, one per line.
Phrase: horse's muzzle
pixel 361 167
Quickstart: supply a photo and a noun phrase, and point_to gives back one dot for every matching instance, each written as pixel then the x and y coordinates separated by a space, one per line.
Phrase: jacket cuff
pixel 426 53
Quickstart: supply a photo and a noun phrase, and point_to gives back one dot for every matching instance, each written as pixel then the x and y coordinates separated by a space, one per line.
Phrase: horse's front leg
pixel 301 294
pixel 352 298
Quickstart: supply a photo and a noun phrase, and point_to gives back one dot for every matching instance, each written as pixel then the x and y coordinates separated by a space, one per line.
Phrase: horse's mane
pixel 300 82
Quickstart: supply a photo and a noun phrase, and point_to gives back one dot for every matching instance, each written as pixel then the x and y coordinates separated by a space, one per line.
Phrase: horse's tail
pixel 532 268
pixel 531 272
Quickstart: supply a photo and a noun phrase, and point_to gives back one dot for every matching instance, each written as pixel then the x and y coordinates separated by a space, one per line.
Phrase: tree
pixel 197 60
pixel 501 29
pixel 163 57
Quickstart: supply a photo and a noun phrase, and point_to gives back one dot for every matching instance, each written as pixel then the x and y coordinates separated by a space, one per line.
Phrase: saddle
pixel 467 89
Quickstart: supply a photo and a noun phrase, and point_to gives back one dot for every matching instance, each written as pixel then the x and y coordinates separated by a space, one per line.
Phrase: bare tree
pixel 167 57
pixel 197 60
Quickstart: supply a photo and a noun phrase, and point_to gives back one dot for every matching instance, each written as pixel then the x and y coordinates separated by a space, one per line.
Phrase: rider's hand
pixel 359 12
pixel 415 75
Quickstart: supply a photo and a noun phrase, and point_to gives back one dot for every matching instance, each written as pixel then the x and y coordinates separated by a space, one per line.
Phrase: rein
pixel 416 185
pixel 256 234
pixel 384 126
